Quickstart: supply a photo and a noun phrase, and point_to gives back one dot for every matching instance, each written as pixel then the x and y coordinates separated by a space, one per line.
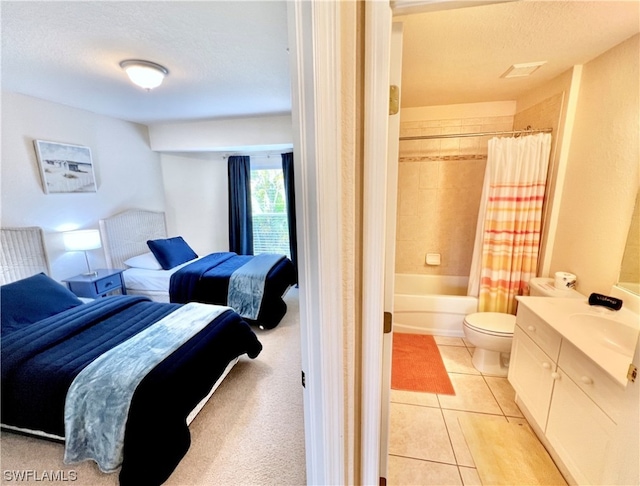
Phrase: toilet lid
pixel 493 322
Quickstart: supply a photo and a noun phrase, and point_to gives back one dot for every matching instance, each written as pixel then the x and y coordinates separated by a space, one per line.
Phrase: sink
pixel 608 332
pixel 608 338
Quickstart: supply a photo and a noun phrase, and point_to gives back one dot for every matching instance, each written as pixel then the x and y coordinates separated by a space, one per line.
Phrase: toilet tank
pixel 543 287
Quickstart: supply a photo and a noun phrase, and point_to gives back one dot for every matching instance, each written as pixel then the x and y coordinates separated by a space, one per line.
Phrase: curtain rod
pixel 526 131
pixel 266 155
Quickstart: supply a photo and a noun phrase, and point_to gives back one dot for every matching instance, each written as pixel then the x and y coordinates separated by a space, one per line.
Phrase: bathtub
pixel 431 304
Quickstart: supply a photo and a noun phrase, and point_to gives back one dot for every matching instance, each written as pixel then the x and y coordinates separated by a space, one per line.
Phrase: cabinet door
pixel 579 431
pixel 530 372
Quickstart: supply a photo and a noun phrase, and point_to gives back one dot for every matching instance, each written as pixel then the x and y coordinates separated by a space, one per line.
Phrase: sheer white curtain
pixel 505 254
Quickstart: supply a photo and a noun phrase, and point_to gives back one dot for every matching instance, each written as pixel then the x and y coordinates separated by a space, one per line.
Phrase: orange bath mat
pixel 416 365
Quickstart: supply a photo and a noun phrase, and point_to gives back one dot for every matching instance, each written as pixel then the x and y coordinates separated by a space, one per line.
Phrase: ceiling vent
pixel 523 69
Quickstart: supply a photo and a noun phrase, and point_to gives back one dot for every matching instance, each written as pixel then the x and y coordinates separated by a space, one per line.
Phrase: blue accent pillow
pixel 171 252
pixel 32 299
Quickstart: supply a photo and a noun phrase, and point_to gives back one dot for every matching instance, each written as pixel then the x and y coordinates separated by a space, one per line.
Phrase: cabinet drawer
pixel 539 331
pixel 107 284
pixel 592 380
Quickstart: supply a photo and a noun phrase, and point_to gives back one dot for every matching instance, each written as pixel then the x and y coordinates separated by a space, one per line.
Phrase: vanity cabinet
pixel 533 363
pixel 572 401
pixel 530 372
pixel 579 431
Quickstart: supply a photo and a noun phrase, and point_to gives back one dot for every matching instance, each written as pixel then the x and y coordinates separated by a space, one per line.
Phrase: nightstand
pixel 106 282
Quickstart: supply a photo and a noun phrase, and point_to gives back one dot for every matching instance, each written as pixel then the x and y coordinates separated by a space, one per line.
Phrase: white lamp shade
pixel 82 240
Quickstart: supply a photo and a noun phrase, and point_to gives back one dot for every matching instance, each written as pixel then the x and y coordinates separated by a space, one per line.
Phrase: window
pixel 269 210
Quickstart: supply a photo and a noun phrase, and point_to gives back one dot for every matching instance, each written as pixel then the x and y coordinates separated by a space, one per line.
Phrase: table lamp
pixel 83 240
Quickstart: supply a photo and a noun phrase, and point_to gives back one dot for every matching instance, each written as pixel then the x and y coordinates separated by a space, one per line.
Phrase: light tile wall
pixel 547 113
pixel 439 188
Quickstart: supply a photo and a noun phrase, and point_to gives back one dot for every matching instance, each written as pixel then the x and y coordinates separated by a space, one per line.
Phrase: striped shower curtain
pixel 505 255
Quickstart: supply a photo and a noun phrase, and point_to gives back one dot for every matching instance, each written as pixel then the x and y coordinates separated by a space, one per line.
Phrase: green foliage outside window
pixel 267 191
pixel 269 211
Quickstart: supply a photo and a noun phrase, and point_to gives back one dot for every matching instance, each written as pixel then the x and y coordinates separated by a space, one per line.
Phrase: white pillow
pixel 146 261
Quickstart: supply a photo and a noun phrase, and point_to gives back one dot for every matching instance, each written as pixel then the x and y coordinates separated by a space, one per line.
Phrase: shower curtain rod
pixel 525 131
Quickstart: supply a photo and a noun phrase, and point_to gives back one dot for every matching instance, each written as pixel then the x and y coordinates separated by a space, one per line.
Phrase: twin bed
pixel 206 279
pixel 120 378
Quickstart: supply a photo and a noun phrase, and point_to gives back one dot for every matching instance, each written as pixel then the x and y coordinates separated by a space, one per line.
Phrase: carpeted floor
pixel 251 432
pixel 417 365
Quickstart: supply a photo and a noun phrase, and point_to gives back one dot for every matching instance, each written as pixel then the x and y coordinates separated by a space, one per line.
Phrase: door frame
pixel 393 137
pixel 316 104
pixel 314 38
pixel 377 61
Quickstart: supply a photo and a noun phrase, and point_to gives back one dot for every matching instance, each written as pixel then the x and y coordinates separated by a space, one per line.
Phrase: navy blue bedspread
pixel 207 280
pixel 40 361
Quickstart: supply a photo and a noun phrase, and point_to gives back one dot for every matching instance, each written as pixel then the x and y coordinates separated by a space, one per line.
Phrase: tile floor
pixel 426 444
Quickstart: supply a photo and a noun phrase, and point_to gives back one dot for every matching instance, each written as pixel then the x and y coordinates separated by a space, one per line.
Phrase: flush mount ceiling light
pixel 146 74
pixel 523 69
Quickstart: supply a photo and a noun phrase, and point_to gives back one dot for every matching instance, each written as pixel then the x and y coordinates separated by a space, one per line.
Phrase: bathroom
pixel 590 196
pixel 440 183
pixel 439 187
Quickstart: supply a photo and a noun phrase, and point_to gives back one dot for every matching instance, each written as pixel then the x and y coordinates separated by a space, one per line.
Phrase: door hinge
pixel 632 374
pixel 394 99
pixel 388 322
pixel 304 381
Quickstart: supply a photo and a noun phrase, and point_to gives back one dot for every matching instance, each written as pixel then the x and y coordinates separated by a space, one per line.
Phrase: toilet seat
pixel 492 323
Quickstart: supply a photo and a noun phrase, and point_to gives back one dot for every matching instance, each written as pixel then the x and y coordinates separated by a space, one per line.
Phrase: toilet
pixel 492 332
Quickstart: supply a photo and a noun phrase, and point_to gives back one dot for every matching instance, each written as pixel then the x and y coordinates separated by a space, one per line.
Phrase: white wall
pixel 194 167
pixel 273 133
pixel 127 172
pixel 602 172
pixel 196 195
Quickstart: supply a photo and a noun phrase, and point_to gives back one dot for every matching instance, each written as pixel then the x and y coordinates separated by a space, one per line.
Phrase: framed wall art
pixel 65 168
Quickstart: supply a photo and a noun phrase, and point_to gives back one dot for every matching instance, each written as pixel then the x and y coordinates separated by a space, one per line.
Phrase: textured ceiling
pixel 458 56
pixel 230 59
pixel 224 58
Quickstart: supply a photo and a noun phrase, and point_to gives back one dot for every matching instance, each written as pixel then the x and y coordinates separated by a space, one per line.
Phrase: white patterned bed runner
pixel 98 401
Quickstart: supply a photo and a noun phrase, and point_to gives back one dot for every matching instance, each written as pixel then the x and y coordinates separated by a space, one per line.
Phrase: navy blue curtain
pixel 240 220
pixel 290 194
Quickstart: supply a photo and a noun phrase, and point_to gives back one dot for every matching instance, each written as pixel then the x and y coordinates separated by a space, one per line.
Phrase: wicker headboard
pixel 125 234
pixel 22 253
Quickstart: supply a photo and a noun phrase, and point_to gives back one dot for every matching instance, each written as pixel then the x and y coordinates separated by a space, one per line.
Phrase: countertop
pixel 557 313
